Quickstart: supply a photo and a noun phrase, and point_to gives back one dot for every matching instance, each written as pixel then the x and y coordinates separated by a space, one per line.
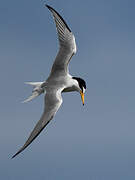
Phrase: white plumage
pixel 59 79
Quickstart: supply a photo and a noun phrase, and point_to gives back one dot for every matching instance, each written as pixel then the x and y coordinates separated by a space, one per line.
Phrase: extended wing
pixel 67 44
pixel 53 101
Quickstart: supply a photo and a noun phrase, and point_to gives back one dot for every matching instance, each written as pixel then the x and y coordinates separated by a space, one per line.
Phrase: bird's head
pixel 81 87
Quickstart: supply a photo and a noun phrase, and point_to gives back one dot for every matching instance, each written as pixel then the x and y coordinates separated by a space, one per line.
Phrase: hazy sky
pixel 94 142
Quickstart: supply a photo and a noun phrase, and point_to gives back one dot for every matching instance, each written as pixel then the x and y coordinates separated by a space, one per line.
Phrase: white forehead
pixel 83 90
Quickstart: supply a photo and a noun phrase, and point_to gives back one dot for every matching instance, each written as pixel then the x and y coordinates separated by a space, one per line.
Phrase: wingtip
pixel 52 9
pixel 18 152
pixel 15 155
pixel 49 7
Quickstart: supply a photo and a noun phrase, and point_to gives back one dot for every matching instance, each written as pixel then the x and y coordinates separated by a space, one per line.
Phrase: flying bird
pixel 59 80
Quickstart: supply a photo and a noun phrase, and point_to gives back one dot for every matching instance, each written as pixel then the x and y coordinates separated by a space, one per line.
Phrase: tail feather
pixel 34 83
pixel 38 89
pixel 34 94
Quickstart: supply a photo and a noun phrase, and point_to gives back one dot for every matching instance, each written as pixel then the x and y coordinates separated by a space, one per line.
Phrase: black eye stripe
pixel 81 83
pixel 81 88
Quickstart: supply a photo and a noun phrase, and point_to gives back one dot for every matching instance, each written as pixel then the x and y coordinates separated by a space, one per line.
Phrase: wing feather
pixel 66 42
pixel 53 101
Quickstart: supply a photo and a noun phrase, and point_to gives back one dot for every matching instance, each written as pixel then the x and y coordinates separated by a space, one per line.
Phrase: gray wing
pixel 53 101
pixel 67 44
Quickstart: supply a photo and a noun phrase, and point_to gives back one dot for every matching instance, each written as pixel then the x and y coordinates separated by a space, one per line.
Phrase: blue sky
pixel 94 142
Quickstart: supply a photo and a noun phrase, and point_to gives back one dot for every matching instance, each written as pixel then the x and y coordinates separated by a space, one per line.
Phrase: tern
pixel 59 80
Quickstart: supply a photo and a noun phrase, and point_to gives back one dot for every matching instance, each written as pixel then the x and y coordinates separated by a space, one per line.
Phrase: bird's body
pixel 59 80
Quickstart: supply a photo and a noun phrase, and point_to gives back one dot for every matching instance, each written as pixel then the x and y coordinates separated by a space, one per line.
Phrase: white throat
pixel 72 85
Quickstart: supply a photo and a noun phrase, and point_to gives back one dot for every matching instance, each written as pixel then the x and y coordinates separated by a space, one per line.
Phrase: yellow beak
pixel 82 96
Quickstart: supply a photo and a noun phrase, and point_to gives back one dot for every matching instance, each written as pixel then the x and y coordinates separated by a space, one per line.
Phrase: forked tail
pixel 37 90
